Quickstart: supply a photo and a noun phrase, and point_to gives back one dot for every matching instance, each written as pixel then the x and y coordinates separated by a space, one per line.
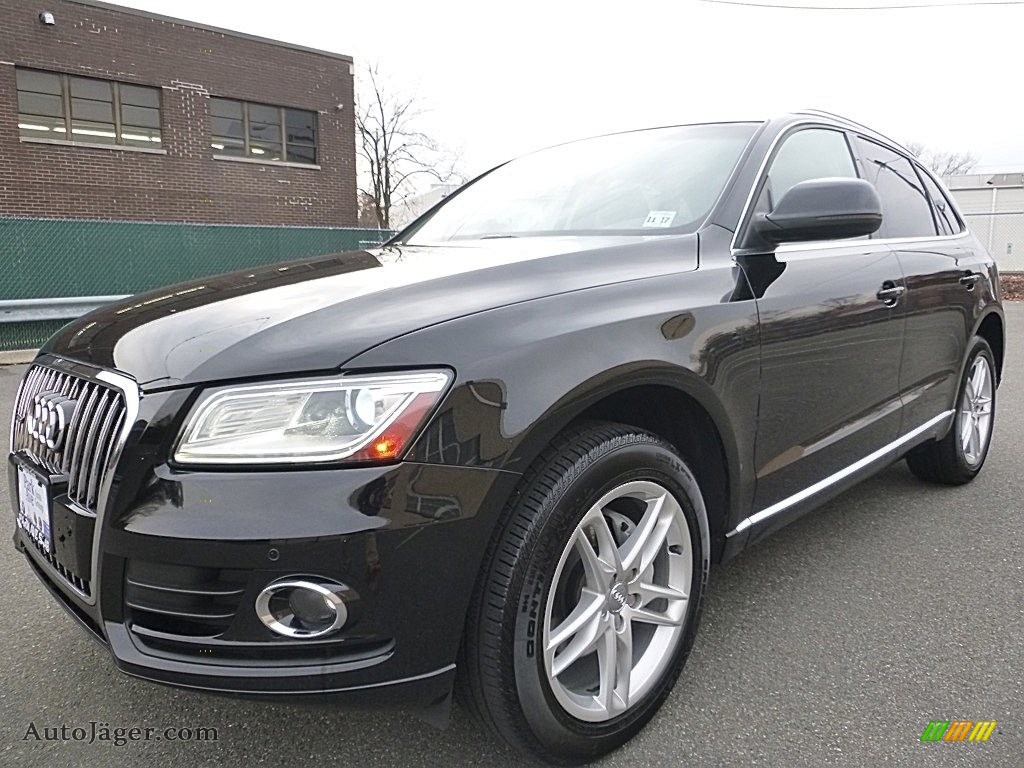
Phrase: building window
pixel 262 132
pixel 86 110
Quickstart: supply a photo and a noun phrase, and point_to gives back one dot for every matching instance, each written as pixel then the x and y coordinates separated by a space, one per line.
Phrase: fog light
pixel 302 607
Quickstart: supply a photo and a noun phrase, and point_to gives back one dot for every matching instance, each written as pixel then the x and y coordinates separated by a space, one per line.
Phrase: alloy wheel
pixel 975 413
pixel 617 606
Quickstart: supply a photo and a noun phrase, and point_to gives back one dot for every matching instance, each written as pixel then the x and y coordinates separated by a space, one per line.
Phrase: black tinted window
pixel 906 211
pixel 815 153
pixel 945 216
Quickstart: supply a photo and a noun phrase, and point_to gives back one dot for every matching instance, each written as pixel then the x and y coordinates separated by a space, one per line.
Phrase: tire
pixel 520 609
pixel 953 460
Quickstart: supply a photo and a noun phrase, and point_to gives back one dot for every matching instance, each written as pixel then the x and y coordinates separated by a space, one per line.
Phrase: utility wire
pixel 860 7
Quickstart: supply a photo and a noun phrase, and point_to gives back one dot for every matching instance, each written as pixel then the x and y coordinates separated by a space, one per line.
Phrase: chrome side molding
pixel 831 480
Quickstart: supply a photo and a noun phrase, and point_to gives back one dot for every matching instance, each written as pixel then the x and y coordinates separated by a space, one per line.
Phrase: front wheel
pixel 959 456
pixel 591 595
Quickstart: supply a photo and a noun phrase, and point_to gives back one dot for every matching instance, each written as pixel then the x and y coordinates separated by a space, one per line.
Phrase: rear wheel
pixel 591 595
pixel 959 456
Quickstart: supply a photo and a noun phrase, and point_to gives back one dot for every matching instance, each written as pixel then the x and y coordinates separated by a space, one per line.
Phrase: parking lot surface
pixel 832 643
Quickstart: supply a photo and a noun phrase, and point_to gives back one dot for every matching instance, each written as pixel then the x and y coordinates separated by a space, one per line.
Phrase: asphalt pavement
pixel 834 642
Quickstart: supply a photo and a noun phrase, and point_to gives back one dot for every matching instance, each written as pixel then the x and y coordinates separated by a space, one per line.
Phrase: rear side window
pixel 815 153
pixel 906 209
pixel 945 216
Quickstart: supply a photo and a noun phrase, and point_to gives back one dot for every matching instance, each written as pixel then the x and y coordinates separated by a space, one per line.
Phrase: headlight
pixel 343 418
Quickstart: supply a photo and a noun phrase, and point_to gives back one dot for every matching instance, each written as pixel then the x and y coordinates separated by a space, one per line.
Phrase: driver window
pixel 815 153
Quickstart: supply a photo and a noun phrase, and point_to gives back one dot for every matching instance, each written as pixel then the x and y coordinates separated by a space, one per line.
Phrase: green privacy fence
pixel 53 258
pixel 27 335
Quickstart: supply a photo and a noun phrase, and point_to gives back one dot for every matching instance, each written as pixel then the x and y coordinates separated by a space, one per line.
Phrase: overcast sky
pixel 501 79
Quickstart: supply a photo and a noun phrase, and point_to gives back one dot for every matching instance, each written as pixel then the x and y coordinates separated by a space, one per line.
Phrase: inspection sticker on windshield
pixel 659 219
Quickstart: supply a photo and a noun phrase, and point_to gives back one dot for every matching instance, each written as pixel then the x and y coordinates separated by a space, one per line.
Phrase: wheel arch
pixel 993 330
pixel 675 404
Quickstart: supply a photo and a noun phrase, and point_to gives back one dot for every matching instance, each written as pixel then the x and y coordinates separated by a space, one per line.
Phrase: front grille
pixel 183 599
pixel 89 436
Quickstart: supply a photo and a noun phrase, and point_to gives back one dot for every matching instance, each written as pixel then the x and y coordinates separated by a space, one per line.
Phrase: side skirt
pixel 888 451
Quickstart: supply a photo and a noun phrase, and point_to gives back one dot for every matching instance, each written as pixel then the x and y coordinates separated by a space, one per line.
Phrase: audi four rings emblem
pixel 49 417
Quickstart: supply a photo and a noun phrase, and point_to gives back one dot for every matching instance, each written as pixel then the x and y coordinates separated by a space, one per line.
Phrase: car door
pixel 940 276
pixel 831 322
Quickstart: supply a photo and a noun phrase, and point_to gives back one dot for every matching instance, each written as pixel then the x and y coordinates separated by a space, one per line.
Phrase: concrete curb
pixel 18 356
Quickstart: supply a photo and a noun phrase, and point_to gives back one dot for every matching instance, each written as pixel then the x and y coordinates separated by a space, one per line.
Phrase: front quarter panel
pixel 524 372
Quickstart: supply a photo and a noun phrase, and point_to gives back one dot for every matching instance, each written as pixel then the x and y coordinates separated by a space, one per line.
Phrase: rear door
pixel 925 233
pixel 831 342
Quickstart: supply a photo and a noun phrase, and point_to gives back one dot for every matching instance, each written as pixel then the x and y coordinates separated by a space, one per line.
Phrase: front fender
pixel 526 371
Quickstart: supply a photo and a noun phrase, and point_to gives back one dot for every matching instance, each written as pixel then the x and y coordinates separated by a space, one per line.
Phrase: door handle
pixel 969 279
pixel 890 293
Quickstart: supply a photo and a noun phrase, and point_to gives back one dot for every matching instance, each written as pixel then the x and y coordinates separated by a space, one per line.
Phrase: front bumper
pixel 179 557
pixel 297 681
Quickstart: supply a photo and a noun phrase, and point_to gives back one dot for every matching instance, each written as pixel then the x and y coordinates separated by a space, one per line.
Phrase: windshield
pixel 658 181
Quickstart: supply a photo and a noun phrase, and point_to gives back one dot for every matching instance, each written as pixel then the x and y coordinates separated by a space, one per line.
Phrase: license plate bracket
pixel 35 505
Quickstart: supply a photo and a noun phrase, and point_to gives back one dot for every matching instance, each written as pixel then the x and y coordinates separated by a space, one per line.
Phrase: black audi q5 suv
pixel 501 453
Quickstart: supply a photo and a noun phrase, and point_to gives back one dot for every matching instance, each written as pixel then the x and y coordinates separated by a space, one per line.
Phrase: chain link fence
pixel 47 260
pixel 1002 233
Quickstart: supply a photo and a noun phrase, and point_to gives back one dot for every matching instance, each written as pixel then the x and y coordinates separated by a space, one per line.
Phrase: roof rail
pixel 854 124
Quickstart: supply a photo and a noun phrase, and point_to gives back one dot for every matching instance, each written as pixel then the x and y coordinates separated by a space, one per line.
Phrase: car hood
pixel 318 313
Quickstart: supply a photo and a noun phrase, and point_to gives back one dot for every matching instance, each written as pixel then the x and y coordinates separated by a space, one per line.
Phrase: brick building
pixel 111 113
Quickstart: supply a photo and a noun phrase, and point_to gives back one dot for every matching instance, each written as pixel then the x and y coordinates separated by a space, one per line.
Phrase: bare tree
pixel 392 149
pixel 944 163
pixel 953 163
pixel 366 211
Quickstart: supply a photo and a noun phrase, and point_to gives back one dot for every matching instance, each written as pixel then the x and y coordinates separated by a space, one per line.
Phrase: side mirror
pixel 822 209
